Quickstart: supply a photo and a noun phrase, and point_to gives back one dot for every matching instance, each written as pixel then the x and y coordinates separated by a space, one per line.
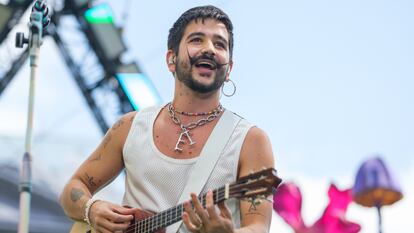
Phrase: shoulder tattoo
pixel 118 124
pixel 107 139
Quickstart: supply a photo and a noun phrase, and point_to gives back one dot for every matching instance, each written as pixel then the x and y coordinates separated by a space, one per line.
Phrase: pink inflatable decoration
pixel 288 204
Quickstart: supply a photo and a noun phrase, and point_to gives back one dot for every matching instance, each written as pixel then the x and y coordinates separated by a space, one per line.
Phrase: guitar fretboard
pixel 174 214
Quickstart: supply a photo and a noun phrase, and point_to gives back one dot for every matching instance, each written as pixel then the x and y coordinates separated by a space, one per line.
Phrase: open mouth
pixel 206 64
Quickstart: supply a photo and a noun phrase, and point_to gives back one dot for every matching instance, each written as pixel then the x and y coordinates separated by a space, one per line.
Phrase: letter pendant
pixel 180 140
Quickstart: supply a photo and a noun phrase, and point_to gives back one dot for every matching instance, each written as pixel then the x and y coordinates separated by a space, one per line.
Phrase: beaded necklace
pixel 219 108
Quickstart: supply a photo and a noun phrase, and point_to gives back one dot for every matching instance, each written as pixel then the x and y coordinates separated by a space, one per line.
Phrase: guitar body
pixel 83 227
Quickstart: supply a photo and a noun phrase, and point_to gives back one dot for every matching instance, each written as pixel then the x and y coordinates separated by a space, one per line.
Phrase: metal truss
pixel 11 59
pixel 94 76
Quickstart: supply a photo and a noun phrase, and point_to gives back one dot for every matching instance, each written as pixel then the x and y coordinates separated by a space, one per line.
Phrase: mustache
pixel 208 57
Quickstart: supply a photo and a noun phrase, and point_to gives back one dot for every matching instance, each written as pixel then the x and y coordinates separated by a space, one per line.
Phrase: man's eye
pixel 220 45
pixel 196 40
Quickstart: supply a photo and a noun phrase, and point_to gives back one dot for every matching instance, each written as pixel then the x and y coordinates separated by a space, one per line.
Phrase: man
pixel 157 147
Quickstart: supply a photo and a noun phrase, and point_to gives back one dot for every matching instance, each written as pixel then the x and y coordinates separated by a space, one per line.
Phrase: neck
pixel 187 100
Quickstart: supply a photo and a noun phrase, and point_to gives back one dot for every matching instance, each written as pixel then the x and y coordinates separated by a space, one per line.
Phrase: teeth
pixel 210 65
pixel 205 63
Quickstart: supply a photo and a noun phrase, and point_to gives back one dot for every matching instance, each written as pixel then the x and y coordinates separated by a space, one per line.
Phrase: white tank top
pixel 154 181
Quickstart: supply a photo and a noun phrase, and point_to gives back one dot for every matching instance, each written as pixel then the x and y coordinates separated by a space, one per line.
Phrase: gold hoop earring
pixel 234 89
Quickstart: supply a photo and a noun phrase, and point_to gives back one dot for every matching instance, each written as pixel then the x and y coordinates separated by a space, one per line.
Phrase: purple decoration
pixel 374 185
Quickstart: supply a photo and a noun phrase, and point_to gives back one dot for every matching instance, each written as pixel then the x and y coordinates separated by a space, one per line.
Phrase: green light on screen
pixel 100 14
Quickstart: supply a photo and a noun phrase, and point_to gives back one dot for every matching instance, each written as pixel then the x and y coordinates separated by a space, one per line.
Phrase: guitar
pixel 254 188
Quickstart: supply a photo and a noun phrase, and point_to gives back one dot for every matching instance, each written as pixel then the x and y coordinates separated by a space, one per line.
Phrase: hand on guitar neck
pixel 198 216
pixel 199 213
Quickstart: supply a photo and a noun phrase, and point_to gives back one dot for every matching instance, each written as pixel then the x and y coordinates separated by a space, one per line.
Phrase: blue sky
pixel 331 82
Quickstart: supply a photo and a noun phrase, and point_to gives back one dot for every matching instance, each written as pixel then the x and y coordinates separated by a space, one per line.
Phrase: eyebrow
pixel 202 34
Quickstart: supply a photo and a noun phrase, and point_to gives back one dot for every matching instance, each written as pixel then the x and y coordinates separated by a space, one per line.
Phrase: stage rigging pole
pixel 38 20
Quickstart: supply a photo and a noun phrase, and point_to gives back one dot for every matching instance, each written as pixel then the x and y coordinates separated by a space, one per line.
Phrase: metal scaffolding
pixel 93 57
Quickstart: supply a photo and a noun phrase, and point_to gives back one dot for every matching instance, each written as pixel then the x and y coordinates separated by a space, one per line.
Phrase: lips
pixel 206 64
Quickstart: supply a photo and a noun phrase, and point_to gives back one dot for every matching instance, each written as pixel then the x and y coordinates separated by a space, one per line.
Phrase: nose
pixel 208 48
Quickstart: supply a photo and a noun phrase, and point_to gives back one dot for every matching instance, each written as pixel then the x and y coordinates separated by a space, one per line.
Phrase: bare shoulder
pixel 125 121
pixel 119 130
pixel 256 152
pixel 256 135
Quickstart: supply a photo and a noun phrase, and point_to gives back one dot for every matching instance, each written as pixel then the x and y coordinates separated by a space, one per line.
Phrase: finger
pixel 105 218
pixel 199 208
pixel 101 229
pixel 193 216
pixel 190 226
pixel 224 210
pixel 116 217
pixel 211 208
pixel 125 210
pixel 111 226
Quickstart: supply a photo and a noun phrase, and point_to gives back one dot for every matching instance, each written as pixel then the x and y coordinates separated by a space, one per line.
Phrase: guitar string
pixel 142 228
pixel 169 215
pixel 151 224
pixel 145 225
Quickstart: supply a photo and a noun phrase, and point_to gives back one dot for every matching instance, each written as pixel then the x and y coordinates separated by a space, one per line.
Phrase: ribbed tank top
pixel 155 181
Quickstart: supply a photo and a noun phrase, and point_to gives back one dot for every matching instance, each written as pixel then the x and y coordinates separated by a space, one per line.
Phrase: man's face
pixel 203 59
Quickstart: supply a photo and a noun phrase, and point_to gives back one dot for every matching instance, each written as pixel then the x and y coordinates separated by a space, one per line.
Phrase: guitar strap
pixel 208 158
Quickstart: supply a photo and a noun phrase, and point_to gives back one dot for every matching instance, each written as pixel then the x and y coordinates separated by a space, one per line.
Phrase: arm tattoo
pixel 118 124
pixel 90 180
pixel 253 209
pixel 106 140
pixel 98 158
pixel 76 194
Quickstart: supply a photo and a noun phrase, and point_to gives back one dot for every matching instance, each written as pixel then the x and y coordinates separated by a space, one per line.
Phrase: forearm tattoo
pixel 90 180
pixel 76 194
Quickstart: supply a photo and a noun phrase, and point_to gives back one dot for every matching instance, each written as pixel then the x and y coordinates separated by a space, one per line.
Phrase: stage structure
pixel 92 47
pixel 11 59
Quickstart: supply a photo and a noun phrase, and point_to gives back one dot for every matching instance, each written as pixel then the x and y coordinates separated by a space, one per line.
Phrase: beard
pixel 184 74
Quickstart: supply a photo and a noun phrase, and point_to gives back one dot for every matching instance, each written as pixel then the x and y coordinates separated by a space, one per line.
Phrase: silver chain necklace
pixel 185 129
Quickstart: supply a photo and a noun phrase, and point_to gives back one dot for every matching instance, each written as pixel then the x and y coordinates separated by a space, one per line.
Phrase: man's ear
pixel 229 70
pixel 171 59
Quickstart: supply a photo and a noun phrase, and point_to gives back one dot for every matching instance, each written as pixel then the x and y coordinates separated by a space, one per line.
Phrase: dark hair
pixel 201 12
